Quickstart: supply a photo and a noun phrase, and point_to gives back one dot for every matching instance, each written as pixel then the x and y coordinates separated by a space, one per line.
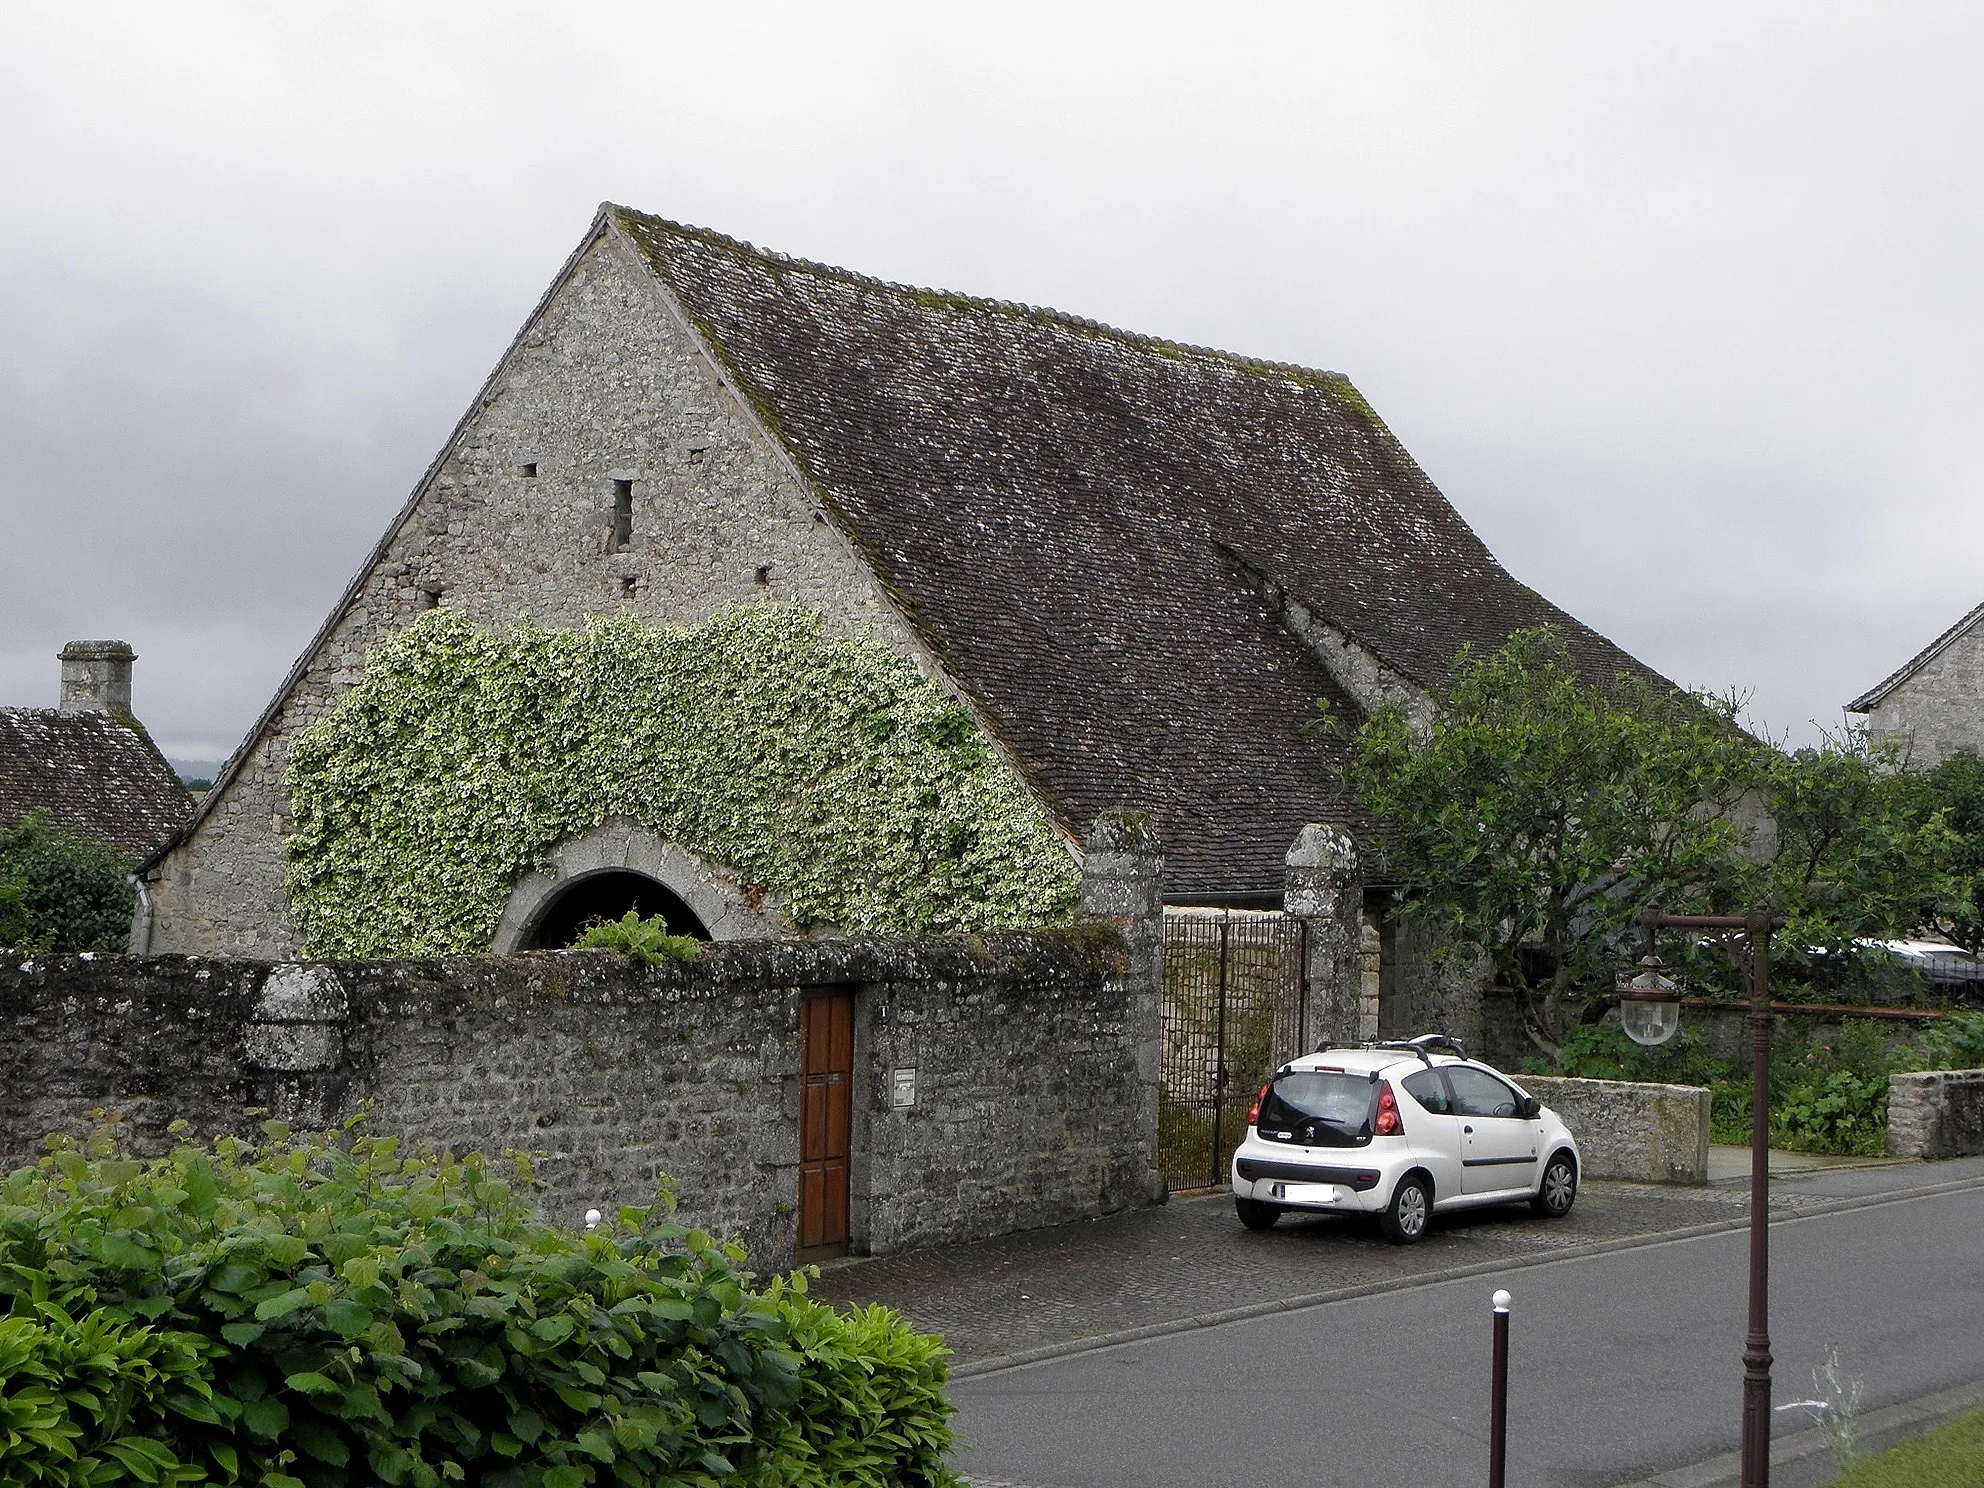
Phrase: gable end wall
pixel 1940 709
pixel 606 383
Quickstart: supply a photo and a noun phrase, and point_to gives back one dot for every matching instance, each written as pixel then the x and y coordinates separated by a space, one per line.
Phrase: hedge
pixel 62 893
pixel 311 1312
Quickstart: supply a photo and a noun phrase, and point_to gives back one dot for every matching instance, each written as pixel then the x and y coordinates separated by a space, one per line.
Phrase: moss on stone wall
pixel 824 770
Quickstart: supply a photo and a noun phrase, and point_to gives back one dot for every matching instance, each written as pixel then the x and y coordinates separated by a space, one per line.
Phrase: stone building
pixel 88 764
pixel 1139 564
pixel 1933 705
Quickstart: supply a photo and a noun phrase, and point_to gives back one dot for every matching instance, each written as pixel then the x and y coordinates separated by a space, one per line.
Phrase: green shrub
pixel 647 941
pixel 1953 1042
pixel 1824 1097
pixel 62 893
pixel 358 1315
pixel 96 1401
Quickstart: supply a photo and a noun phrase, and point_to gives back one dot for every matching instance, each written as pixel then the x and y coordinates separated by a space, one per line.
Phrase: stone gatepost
pixel 1123 888
pixel 1324 888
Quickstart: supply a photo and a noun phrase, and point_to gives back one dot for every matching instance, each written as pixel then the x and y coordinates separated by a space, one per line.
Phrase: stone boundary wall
pixel 1034 1061
pixel 1936 1114
pixel 1647 1133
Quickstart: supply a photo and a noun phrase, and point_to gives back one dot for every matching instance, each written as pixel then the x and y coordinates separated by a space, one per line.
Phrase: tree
pixel 1540 811
pixel 1536 809
pixel 62 893
pixel 1955 789
pixel 1864 851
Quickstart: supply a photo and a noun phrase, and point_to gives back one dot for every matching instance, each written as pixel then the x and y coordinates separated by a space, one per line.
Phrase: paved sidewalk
pixel 1188 1261
pixel 1191 1257
pixel 1732 1164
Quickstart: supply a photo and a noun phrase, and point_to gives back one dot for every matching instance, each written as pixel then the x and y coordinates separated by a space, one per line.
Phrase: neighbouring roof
pixel 96 775
pixel 1067 513
pixel 1876 695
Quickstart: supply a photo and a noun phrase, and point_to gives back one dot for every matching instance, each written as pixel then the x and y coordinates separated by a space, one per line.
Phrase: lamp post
pixel 1650 1011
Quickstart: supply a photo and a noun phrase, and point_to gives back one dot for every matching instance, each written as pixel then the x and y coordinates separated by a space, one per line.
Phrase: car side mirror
pixel 1530 1109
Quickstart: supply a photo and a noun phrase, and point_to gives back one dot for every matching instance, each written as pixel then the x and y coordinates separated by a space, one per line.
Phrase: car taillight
pixel 1388 1123
pixel 1254 1111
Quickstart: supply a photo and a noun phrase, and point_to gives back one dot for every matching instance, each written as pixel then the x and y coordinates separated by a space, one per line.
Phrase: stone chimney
pixel 96 677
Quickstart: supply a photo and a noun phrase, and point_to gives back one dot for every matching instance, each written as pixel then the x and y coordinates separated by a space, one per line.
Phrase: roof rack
pixel 1424 1045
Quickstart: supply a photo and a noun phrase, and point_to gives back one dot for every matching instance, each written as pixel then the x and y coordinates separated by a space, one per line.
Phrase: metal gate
pixel 1233 1013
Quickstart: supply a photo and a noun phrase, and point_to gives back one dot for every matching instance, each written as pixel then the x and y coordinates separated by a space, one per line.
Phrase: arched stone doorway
pixel 607 896
pixel 621 865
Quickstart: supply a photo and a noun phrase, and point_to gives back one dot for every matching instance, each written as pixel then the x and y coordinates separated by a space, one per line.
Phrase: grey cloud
pixel 1677 305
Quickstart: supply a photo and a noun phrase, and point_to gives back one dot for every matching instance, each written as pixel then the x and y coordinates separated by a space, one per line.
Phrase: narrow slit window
pixel 623 515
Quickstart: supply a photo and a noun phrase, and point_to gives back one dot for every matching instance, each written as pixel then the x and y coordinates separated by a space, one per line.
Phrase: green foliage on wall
pixel 644 940
pixel 824 770
pixel 62 893
pixel 323 1312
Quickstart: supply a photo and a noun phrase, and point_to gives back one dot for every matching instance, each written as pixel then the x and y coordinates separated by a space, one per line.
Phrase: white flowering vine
pixel 823 769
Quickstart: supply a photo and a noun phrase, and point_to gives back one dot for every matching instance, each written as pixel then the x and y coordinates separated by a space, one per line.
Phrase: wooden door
pixel 826 1122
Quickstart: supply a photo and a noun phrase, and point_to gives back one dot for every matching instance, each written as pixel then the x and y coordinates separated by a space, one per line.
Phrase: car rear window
pixel 1318 1106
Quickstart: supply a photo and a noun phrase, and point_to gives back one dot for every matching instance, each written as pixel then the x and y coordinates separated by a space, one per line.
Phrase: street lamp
pixel 1652 1005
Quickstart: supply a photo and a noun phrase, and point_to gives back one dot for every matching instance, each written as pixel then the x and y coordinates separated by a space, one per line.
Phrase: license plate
pixel 1307 1193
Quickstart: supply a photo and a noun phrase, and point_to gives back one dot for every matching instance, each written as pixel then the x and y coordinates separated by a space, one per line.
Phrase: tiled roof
pixel 96 775
pixel 1874 696
pixel 1058 506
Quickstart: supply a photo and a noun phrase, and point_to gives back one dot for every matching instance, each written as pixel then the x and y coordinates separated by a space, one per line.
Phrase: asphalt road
pixel 1621 1364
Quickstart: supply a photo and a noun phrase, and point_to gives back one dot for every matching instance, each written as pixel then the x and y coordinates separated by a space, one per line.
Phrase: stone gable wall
pixel 1034 1060
pixel 605 384
pixel 1940 709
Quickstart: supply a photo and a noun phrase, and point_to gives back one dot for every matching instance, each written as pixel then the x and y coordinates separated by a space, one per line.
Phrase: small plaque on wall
pixel 902 1088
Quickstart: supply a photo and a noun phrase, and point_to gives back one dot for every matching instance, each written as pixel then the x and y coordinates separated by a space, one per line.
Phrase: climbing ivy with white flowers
pixel 825 770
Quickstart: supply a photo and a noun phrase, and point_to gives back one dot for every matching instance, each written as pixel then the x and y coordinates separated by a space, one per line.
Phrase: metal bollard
pixel 1498 1421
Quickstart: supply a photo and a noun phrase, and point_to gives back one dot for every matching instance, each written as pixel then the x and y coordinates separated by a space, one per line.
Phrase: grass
pixel 1951 1456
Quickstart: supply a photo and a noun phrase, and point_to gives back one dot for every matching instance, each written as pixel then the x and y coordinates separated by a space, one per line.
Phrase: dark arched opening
pixel 608 896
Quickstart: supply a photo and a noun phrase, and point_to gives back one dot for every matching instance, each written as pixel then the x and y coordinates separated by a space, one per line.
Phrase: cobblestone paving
pixel 1191 1257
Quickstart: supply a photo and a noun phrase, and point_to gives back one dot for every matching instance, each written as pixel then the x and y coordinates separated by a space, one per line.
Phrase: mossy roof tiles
pixel 95 775
pixel 1048 498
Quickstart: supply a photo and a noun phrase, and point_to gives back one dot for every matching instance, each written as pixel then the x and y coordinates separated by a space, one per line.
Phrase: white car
pixel 1402 1132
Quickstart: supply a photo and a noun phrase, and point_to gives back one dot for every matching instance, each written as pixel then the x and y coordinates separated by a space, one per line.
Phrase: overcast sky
pixel 1678 304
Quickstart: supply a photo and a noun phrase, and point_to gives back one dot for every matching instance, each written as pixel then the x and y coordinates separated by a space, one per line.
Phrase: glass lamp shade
pixel 1650 1005
pixel 1648 1022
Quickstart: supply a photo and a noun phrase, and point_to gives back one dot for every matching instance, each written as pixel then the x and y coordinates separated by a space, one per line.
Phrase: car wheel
pixel 1559 1188
pixel 1405 1217
pixel 1255 1215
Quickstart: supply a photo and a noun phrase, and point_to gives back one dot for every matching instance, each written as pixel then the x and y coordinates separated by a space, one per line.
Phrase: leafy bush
pixel 647 941
pixel 1953 1042
pixel 1824 1097
pixel 62 893
pixel 358 1315
pixel 94 1401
